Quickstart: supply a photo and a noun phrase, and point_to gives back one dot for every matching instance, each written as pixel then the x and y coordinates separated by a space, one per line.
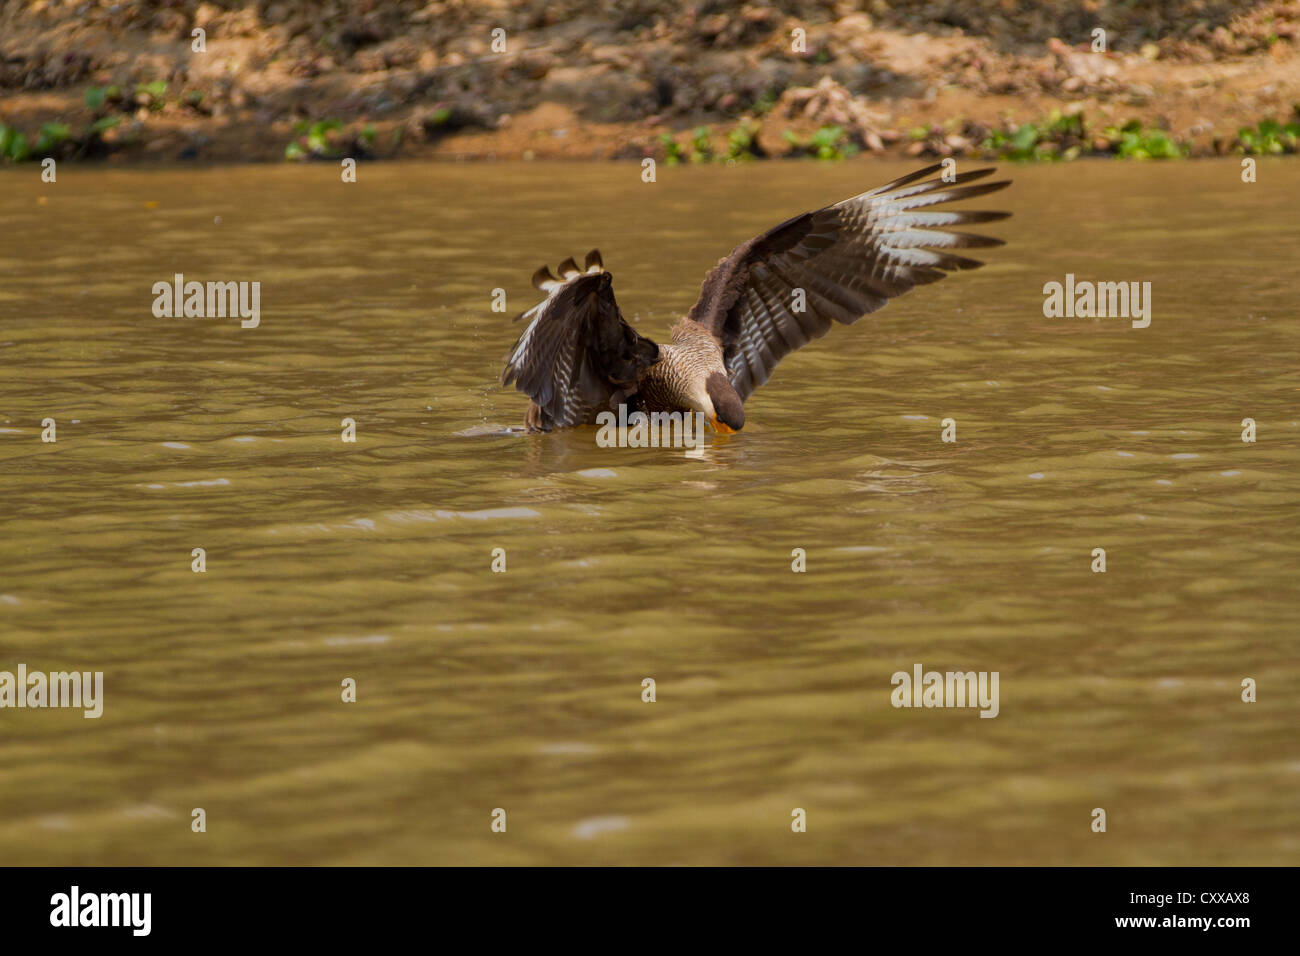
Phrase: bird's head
pixel 728 411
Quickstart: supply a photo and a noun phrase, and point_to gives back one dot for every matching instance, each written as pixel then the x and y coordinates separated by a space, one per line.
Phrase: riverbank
pixel 142 83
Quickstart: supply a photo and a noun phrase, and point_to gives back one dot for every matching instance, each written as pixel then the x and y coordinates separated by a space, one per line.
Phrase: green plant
pixel 701 148
pixel 672 151
pixel 97 97
pixel 1269 138
pixel 766 100
pixel 151 94
pixel 829 142
pixel 1024 143
pixel 1133 141
pixel 1059 136
pixel 742 141
pixel 1061 124
pixel 101 125
pixel 13 145
pixel 52 136
pixel 315 140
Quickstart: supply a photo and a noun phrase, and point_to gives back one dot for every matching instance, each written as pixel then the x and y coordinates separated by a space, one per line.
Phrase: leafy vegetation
pixel 315 140
pixel 742 142
pixel 766 100
pixel 1060 136
pixel 1066 136
pixel 829 142
pixel 152 95
pixel 1022 143
pixel 13 145
pixel 1133 141
pixel 673 154
pixel 741 145
pixel 701 148
pixel 99 97
pixel 325 139
pixel 1269 138
pixel 52 136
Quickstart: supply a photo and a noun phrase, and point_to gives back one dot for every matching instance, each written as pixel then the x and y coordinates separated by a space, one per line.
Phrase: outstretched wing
pixel 838 263
pixel 577 350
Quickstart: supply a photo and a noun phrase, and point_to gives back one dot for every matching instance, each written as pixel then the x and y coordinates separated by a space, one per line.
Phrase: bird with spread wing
pixel 578 356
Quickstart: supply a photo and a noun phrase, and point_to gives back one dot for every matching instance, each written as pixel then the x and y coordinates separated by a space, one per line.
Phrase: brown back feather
pixel 577 352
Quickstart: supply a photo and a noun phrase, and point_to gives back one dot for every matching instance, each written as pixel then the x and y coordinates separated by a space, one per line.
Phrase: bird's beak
pixel 721 427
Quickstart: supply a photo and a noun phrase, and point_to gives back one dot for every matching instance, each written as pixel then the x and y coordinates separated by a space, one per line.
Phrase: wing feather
pixel 848 259
pixel 577 351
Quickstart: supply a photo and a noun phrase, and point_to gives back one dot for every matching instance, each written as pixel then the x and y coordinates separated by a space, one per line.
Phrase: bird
pixel 578 356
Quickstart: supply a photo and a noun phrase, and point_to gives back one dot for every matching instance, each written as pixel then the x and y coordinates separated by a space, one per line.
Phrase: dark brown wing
pixel 840 263
pixel 577 351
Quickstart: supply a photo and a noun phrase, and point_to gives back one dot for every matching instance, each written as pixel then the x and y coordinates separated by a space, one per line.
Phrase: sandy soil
pixel 609 80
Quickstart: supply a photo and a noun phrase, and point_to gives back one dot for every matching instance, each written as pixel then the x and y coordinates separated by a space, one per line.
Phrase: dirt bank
pixel 135 82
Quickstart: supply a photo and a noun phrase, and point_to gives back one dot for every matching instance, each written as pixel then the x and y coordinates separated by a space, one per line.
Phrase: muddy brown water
pixel 523 690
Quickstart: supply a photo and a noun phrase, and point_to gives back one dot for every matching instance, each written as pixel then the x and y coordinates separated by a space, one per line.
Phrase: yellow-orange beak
pixel 721 427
